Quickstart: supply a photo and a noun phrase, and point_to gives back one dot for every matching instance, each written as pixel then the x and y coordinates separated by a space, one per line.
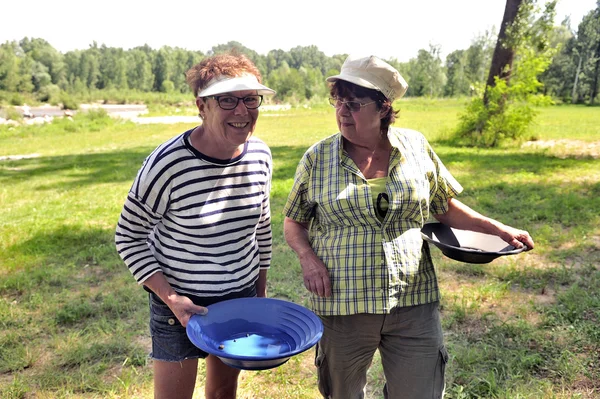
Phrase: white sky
pixel 386 28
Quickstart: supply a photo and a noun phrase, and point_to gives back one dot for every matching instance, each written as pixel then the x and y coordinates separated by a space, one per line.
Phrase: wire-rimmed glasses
pixel 352 106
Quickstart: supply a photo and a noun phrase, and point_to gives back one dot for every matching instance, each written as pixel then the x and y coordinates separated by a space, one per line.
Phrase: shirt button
pixel 171 322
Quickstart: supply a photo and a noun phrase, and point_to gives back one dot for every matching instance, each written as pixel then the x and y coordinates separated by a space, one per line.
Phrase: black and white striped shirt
pixel 205 223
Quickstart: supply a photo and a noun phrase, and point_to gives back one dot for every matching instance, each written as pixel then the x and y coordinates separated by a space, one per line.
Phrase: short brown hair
pixel 227 64
pixel 344 89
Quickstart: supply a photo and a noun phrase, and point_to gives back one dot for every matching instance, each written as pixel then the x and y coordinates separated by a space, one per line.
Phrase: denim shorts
pixel 170 342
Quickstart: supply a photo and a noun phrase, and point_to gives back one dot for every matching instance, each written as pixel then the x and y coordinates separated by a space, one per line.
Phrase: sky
pixel 388 29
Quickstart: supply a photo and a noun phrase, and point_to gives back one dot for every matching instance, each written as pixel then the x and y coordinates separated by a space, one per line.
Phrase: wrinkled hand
pixel 316 276
pixel 517 238
pixel 184 308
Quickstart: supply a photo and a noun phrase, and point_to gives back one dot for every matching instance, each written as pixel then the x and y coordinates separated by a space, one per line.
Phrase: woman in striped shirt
pixel 195 228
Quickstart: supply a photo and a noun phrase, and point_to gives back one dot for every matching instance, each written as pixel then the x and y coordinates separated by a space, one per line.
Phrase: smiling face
pixel 227 130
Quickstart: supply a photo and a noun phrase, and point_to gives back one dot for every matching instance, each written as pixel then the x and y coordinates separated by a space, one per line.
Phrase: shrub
pixel 49 94
pixel 68 102
pixel 16 99
pixel 13 114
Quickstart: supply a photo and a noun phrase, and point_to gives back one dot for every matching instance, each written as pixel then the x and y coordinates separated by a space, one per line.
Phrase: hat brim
pixel 353 79
pixel 238 83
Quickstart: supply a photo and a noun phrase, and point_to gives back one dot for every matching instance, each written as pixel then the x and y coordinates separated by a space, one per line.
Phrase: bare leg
pixel 175 379
pixel 221 380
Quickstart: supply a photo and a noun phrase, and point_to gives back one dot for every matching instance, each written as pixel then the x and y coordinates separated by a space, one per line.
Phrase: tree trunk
pixel 595 78
pixel 574 93
pixel 503 56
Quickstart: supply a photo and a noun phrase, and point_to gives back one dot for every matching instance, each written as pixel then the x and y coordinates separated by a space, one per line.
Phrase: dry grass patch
pixel 566 148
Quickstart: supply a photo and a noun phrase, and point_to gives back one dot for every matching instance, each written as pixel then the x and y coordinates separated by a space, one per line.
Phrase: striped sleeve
pixel 264 235
pixel 135 225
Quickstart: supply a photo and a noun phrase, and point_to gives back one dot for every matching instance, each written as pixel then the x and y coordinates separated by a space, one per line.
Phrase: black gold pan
pixel 465 245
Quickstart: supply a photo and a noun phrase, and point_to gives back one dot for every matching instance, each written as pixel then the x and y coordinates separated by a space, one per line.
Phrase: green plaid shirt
pixel 373 266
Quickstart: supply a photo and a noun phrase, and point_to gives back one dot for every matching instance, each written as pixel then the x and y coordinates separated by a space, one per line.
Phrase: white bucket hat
pixel 226 84
pixel 373 73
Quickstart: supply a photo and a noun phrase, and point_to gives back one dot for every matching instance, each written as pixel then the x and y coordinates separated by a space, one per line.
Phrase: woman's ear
pixel 201 106
pixel 385 110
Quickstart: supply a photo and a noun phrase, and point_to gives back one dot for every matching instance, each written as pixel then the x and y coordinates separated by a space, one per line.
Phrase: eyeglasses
pixel 352 106
pixel 230 102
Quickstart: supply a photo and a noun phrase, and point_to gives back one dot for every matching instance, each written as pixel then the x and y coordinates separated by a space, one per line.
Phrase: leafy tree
pixel 9 67
pixel 183 61
pixel 89 66
pixel 504 52
pixel 308 57
pixel 112 65
pixel 139 71
pixel 588 38
pixel 558 78
pixel 523 52
pixel 286 81
pixel 275 59
pixel 234 46
pixel 314 85
pixel 25 84
pixel 426 75
pixel 458 82
pixel 40 51
pixel 161 69
pixel 479 57
pixel 40 76
pixel 121 74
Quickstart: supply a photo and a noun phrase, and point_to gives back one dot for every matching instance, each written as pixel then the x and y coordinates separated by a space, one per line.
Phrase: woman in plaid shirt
pixel 354 218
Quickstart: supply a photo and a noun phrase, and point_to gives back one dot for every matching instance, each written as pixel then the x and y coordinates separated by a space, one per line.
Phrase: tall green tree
pixel 139 71
pixel 287 82
pixel 9 67
pixel 458 83
pixel 308 57
pixel 479 57
pixel 426 74
pixel 558 78
pixel 520 57
pixel 52 63
pixel 162 70
pixel 237 47
pixel 89 67
pixel 504 52
pixel 588 38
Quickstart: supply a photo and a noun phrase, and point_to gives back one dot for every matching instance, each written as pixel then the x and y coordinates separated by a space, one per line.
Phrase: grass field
pixel 73 323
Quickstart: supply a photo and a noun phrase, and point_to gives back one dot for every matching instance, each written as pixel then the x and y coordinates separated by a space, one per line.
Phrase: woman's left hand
pixel 517 238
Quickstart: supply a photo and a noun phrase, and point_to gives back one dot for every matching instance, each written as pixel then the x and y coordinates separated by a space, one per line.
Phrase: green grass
pixel 73 323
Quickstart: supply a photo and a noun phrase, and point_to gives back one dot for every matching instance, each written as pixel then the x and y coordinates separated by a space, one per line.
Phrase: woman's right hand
pixel 316 276
pixel 184 308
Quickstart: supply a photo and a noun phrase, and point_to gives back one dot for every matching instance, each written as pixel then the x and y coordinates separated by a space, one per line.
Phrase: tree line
pixel 32 67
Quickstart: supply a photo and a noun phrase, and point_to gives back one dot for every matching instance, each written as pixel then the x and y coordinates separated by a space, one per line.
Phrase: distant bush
pixel 16 99
pixel 68 102
pixel 49 94
pixel 12 114
pixel 167 86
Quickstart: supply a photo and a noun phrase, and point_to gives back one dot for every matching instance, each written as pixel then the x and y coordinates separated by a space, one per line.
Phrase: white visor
pixel 227 84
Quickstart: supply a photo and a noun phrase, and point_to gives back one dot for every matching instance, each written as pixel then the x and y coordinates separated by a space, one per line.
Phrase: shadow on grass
pixel 55 261
pixel 79 170
pixel 59 259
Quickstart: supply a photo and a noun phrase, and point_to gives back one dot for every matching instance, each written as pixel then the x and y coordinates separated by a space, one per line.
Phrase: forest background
pixel 32 70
